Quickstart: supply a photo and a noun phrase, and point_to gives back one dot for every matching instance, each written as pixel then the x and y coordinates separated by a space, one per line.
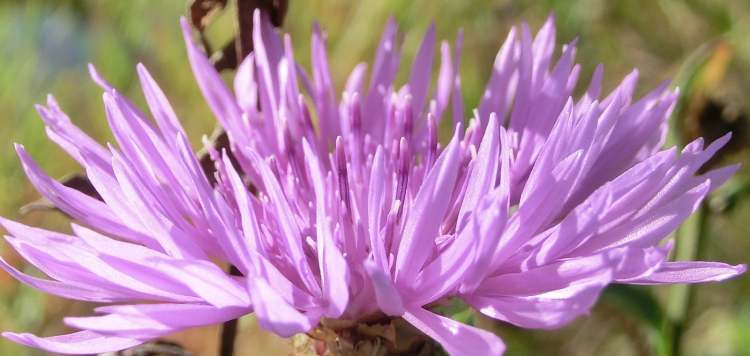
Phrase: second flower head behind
pixel 356 207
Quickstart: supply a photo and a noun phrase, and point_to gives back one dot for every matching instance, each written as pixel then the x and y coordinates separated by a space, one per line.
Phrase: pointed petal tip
pixel 551 18
pixel 78 343
pixel 682 272
pixel 184 23
pixel 20 338
pixel 634 74
pixel 738 270
pixel 98 78
pixel 51 104
pixel 41 110
pixel 256 19
pixel 140 68
pixel 725 138
pixel 730 272
pixel 187 33
pixel 7 224
pixel 430 33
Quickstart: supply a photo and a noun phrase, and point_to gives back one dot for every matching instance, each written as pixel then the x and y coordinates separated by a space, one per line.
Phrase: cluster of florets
pixel 339 210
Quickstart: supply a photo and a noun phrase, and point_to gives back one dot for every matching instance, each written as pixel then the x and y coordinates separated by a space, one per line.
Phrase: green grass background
pixel 45 45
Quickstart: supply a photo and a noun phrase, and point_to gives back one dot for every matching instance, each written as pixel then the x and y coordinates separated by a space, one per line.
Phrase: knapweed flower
pixel 341 209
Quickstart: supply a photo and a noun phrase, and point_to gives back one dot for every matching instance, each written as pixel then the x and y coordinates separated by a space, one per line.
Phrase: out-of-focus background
pixel 703 44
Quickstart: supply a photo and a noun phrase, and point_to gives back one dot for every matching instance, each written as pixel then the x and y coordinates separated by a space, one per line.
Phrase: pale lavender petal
pixel 79 205
pixel 165 116
pixel 334 270
pixel 384 69
pixel 148 321
pixel 206 280
pixel 430 206
pixel 547 297
pixel 106 185
pixel 62 289
pixel 78 343
pixel 136 259
pixel 495 94
pixel 445 82
pixel 559 277
pixel 538 313
pixel 267 60
pixel 275 314
pixel 236 244
pixel 457 101
pixel 456 338
pixel 375 200
pixel 543 47
pixel 289 227
pixel 69 260
pixel 68 136
pixel 219 97
pixel 286 289
pixel 324 94
pixel 639 262
pixel 387 296
pixel 691 272
pixel 140 194
pixel 488 225
pixel 245 86
pixel 483 172
pixel 447 270
pixel 421 69
pixel 653 227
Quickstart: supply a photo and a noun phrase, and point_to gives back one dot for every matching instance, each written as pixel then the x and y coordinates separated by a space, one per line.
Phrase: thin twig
pixel 229 328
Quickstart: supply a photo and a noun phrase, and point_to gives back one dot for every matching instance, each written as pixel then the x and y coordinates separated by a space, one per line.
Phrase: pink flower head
pixel 526 214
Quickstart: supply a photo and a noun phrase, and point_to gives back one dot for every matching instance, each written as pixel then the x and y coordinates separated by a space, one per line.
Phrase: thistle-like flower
pixel 352 209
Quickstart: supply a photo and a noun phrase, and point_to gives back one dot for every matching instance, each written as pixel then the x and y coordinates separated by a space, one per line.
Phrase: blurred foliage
pixel 701 43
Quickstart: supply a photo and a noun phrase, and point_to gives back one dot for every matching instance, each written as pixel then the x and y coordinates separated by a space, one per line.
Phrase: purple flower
pixel 526 215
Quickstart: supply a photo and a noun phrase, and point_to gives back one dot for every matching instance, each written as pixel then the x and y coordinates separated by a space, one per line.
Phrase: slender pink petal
pixel 429 208
pixel 334 270
pixel 419 79
pixel 387 296
pixel 147 321
pixel 560 293
pixel 456 338
pixel 78 343
pixel 219 97
pixel 274 314
pixel 691 272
